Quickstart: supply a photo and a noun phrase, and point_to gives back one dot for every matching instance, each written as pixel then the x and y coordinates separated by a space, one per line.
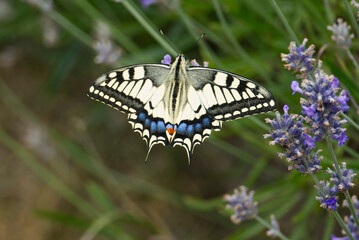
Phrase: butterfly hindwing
pixel 193 132
pixel 229 96
pixel 137 91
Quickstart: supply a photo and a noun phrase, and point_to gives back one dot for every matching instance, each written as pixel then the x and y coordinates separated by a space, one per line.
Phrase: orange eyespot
pixel 171 131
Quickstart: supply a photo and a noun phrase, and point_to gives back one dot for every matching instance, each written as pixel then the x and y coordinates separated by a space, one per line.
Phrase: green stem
pixel 234 42
pixel 350 55
pixel 342 224
pixel 352 17
pixel 320 188
pixel 351 121
pixel 73 29
pixel 328 11
pixel 148 25
pixel 352 209
pixel 270 227
pixel 284 21
pixel 334 157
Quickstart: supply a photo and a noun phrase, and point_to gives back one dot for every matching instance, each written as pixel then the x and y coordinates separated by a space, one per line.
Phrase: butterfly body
pixel 178 104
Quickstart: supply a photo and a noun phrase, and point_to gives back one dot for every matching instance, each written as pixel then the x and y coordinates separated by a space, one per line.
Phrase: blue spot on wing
pixel 190 129
pixel 161 126
pixel 153 127
pixel 142 116
pixel 206 122
pixel 182 128
pixel 198 127
pixel 147 122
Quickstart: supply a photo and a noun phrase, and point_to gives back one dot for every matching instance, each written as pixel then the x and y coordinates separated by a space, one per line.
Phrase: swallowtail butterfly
pixel 179 104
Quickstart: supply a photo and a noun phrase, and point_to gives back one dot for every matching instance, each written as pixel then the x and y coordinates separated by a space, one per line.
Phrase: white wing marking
pixel 193 98
pixel 122 86
pixel 219 95
pixel 228 95
pixel 126 74
pixel 220 79
pixel 129 88
pixel 136 89
pixel 139 72
pixel 209 95
pixel 158 95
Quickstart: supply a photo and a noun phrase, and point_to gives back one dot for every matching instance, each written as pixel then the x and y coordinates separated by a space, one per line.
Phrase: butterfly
pixel 178 104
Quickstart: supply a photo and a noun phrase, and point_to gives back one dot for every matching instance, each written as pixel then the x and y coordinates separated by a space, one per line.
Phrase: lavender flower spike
pixel 345 182
pixel 242 204
pixel 323 105
pixel 288 131
pixel 341 34
pixel 299 59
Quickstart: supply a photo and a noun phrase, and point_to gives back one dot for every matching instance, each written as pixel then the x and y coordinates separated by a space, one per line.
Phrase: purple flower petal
pixel 331 203
pixel 309 111
pixel 309 140
pixel 342 139
pixel 295 87
pixel 335 83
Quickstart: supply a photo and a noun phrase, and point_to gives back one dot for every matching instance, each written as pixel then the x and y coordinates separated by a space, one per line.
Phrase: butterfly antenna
pixel 168 41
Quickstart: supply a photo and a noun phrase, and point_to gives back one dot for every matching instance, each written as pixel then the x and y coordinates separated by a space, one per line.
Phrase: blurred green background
pixel 72 168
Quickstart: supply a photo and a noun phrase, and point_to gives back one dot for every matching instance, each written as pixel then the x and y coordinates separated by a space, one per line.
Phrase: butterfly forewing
pixel 229 96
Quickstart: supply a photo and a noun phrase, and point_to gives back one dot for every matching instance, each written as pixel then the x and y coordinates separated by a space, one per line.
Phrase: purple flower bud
pixel 166 59
pixel 286 108
pixel 195 63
